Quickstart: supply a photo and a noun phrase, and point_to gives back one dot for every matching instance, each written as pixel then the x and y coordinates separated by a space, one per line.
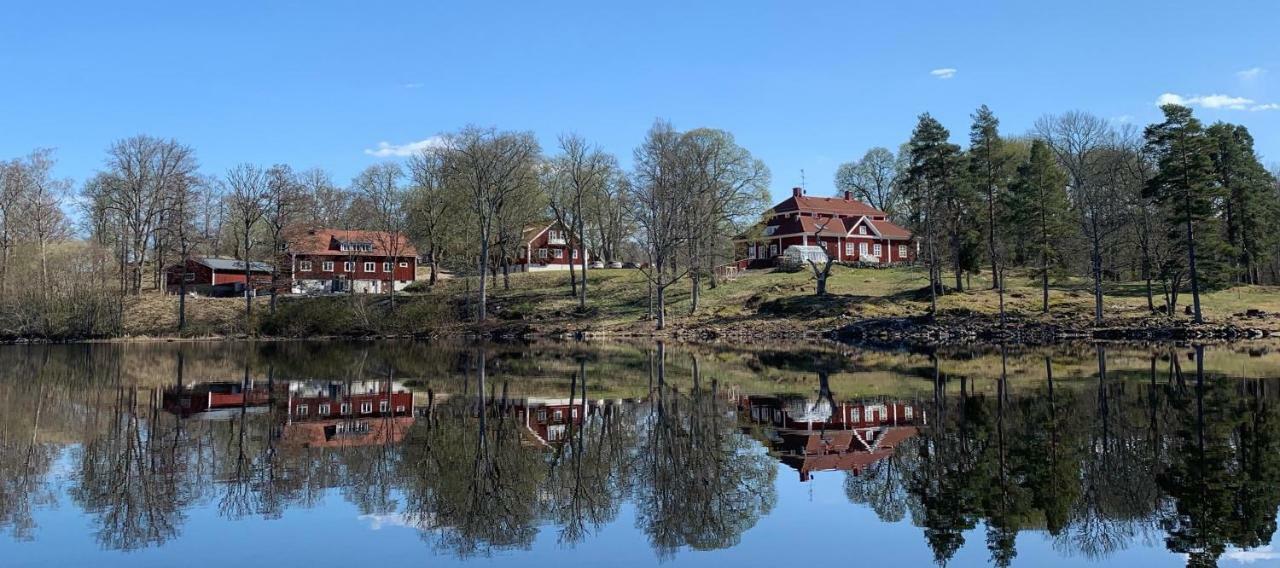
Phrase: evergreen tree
pixel 988 174
pixel 1249 198
pixel 930 179
pixel 1184 187
pixel 1037 211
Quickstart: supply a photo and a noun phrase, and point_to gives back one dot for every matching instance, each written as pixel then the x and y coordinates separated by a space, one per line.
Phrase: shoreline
pixel 908 331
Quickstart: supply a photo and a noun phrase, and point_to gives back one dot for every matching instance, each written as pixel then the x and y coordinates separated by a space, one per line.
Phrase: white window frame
pixel 773 250
pixel 848 249
pixel 348 266
pixel 370 266
pixel 404 264
pixel 862 229
pixel 542 253
pixel 862 248
pixel 384 406
pixel 399 408
pixel 323 410
pixel 558 253
pixel 575 254
pixel 304 265
pixel 751 252
pixel 345 408
pixel 386 266
pixel 301 410
pixel 327 266
pixel 366 407
pixel 902 251
pixel 876 249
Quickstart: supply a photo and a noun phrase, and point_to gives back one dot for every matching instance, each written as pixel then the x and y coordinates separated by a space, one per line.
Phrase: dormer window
pixel 768 231
pixel 862 229
pixel 355 246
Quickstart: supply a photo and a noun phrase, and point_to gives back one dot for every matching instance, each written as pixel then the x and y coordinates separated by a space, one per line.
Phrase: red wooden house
pixel 547 246
pixel 847 229
pixel 204 272
pixel 339 260
pixel 216 400
pixel 322 414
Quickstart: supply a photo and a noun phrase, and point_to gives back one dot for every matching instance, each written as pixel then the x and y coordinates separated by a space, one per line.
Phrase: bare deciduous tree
pixel 247 189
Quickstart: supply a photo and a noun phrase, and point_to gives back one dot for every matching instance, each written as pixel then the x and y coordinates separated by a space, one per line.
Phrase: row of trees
pixel 465 201
pixel 1176 205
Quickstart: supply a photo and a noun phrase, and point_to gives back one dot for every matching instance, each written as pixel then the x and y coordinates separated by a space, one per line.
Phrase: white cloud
pixel 1249 556
pixel 1251 74
pixel 1226 102
pixel 1123 119
pixel 389 150
pixel 944 73
pixel 412 85
pixel 378 522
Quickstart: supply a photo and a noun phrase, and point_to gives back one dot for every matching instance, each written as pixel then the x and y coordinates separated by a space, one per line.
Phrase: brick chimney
pixel 797 191
pixel 848 196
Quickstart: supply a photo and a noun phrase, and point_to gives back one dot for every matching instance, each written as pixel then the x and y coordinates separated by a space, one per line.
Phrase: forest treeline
pixel 1177 206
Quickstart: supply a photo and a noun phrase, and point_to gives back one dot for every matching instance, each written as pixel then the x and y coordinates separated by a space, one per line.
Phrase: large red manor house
pixel 847 229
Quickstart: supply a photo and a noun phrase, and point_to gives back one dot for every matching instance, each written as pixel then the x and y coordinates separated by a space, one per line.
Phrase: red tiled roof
pixel 832 205
pixel 318 241
pixel 890 230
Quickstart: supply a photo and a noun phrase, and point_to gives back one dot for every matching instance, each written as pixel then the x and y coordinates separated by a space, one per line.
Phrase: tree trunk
pixel 434 266
pixel 1096 262
pixel 582 257
pixel 1191 264
pixel 506 274
pixel 661 304
pixel 1044 279
pixel 573 279
pixel 484 269
pixel 695 283
pixel 182 302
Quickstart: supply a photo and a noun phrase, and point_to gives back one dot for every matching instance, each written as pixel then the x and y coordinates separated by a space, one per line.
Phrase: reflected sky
pixel 636 455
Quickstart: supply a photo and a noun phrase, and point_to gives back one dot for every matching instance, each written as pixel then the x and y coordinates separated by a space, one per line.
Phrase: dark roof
pixel 847 207
pixel 233 264
pixel 319 241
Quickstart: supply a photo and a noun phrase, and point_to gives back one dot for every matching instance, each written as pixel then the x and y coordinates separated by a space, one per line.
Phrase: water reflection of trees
pixel 1170 454
pixel 1194 458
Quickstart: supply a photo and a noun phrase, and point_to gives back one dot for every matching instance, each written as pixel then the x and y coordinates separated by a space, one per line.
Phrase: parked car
pixel 597 264
pixel 629 265
pixel 615 264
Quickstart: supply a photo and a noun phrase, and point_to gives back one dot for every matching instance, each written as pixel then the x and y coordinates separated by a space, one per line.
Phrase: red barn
pixel 340 260
pixel 547 246
pixel 847 229
pixel 203 272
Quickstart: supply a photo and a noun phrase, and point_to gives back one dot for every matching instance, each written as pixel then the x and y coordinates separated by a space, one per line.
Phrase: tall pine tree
pixel 932 176
pixel 988 174
pixel 1184 187
pixel 1037 212
pixel 1250 200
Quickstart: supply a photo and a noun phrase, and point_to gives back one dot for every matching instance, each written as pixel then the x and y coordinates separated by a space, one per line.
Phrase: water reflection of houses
pixel 311 413
pixel 823 435
pixel 217 400
pixel 547 421
pixel 350 413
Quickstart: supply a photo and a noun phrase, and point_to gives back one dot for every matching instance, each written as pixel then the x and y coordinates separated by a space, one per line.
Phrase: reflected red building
pixel 822 435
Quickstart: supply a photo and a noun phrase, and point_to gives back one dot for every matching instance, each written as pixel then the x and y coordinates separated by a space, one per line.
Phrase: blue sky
pixel 802 85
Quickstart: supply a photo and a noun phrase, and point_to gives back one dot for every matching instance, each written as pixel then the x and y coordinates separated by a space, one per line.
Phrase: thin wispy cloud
pixel 1249 556
pixel 1251 74
pixel 944 73
pixel 1220 102
pixel 388 150
pixel 412 85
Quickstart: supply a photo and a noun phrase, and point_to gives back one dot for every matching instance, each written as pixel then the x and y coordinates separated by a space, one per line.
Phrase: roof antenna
pixel 801 178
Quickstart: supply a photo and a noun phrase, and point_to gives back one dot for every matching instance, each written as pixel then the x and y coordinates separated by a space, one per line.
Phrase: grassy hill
pixel 758 302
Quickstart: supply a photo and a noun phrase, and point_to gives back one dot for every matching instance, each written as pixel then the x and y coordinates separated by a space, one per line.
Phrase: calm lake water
pixel 416 454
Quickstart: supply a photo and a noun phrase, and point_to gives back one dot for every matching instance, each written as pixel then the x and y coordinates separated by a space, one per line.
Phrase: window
pixel 542 415
pixel 848 249
pixel 349 266
pixel 189 277
pixel 345 408
pixel 370 267
pixel 327 266
pixel 575 254
pixel 773 249
pixel 877 250
pixel 906 412
pixel 386 267
pixel 751 251
pixel 768 231
pixel 573 414
pixel 862 230
pixel 559 253
pixel 399 408
pixel 366 407
pixel 855 415
pixel 542 253
pixel 324 410
pixel 302 410
pixel 305 266
pixel 404 264
pixel 862 248
pixel 383 406
pixel 557 415
pixel 902 251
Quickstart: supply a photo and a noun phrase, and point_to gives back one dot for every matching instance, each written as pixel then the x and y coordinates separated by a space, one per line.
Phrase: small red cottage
pixel 340 260
pixel 547 246
pixel 214 271
pixel 847 229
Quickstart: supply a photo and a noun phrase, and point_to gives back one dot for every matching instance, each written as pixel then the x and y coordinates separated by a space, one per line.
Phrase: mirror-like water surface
pixel 332 454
